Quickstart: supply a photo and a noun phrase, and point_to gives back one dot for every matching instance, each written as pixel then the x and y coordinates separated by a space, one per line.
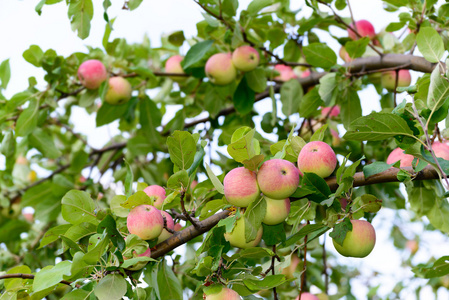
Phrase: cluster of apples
pixel 92 73
pixel 388 78
pixel 441 151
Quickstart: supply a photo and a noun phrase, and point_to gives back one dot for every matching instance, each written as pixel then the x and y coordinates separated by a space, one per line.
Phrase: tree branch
pixel 29 276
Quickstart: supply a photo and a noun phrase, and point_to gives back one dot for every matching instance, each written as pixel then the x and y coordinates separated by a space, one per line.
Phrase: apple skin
pixel 145 221
pixel 364 28
pixel 245 58
pixel 317 157
pixel 286 73
pixel 240 187
pixel 441 150
pixel 237 237
pixel 278 178
pixel 224 294
pixel 344 54
pixel 119 91
pixel 220 70
pixel 332 112
pixel 178 227
pixel 170 224
pixel 141 264
pixel 398 154
pixel 173 65
pixel 158 193
pixel 359 242
pixel 277 211
pixel 92 73
pixel 307 296
pixel 388 79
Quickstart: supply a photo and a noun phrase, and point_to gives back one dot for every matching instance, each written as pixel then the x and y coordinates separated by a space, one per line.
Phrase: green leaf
pixel 439 215
pixel 340 231
pixel 273 235
pixel 291 95
pixel 328 88
pixel 376 127
pixel 168 284
pixel 80 14
pixel 8 147
pixel 196 54
pixel 133 4
pixel 320 55
pixel 182 148
pixel 350 106
pixel 34 55
pixel 439 268
pixel 317 185
pixel 114 235
pixel 430 44
pixel 150 119
pixel 310 103
pixel 257 80
pixel 375 168
pixel 244 98
pixel 96 248
pixel 27 121
pixel 111 287
pixel 357 48
pixel 177 38
pixel 53 234
pixel 129 178
pixel 309 230
pixel 178 180
pixel 257 5
pixel 254 215
pixel 5 73
pixel 109 113
pixel 138 198
pixel 11 230
pixel 438 90
pixel 215 181
pixel 319 134
pixel 43 142
pixel 78 207
pixel 243 148
pixel 51 275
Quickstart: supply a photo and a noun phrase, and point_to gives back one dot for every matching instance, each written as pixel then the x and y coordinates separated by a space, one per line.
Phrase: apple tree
pixel 267 147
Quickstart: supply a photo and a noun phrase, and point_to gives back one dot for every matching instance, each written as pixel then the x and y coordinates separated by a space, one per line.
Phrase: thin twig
pixel 195 223
pixel 303 275
pixel 273 259
pixel 30 276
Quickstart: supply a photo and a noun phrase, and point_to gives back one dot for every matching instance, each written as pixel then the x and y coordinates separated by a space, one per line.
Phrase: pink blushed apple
pixel 220 70
pixel 141 264
pixel 92 73
pixel 224 294
pixel 359 242
pixel 332 112
pixel 278 178
pixel 307 296
pixel 344 54
pixel 441 150
pixel 245 58
pixel 285 73
pixel 317 157
pixel 240 187
pixel 398 154
pixel 158 194
pixel 364 28
pixel 412 246
pixel 145 221
pixel 178 227
pixel 170 224
pixel 173 65
pixel 119 91
pixel 277 211
pixel 388 79
pixel 237 237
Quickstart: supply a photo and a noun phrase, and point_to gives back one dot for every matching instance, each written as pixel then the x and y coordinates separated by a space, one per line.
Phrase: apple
pixel 278 178
pixel 412 245
pixel 335 138
pixel 178 227
pixel 237 237
pixel 286 73
pixel 140 264
pixel 245 58
pixel 119 91
pixel 220 70
pixel 92 73
pixel 359 242
pixel 224 294
pixel 277 211
pixel 240 187
pixel 306 132
pixel 288 271
pixel 364 28
pixel 332 112
pixel 317 157
pixel 305 74
pixel 398 154
pixel 344 54
pixel 441 150
pixel 307 296
pixel 170 224
pixel 158 194
pixel 145 221
pixel 388 79
pixel 173 65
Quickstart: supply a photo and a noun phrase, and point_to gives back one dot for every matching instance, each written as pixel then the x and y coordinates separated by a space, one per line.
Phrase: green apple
pixel 220 70
pixel 119 91
pixel 277 211
pixel 237 237
pixel 359 242
pixel 245 58
pixel 224 294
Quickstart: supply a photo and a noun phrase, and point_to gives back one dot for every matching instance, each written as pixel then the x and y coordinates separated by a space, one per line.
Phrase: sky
pixel 21 26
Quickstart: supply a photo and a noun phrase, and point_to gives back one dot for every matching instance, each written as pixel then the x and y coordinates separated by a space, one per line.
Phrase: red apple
pixel 278 178
pixel 158 194
pixel 441 150
pixel 119 91
pixel 92 73
pixel 277 211
pixel 240 187
pixel 331 112
pixel 170 224
pixel 237 237
pixel 224 294
pixel 317 157
pixel 307 296
pixel 388 79
pixel 364 28
pixel 286 73
pixel 359 242
pixel 245 58
pixel 173 65
pixel 145 221
pixel 220 70
pixel 398 154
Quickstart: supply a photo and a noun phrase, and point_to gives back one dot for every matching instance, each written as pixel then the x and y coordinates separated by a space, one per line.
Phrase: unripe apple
pixel 141 264
pixel 240 187
pixel 145 221
pixel 277 211
pixel 92 73
pixel 237 237
pixel 388 79
pixel 224 294
pixel 173 65
pixel 359 242
pixel 245 58
pixel 158 194
pixel 398 154
pixel 364 28
pixel 307 296
pixel 170 224
pixel 344 54
pixel 441 150
pixel 317 157
pixel 278 178
pixel 119 91
pixel 286 73
pixel 220 70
